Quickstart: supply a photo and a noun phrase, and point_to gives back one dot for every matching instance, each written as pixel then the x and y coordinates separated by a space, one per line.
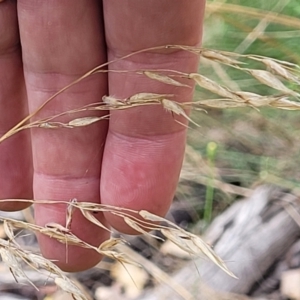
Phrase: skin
pixel 131 161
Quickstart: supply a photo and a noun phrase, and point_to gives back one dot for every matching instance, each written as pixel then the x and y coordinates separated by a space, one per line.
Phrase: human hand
pixel 45 45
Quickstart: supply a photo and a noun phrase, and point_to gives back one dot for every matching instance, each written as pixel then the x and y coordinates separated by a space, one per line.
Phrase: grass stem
pixel 209 195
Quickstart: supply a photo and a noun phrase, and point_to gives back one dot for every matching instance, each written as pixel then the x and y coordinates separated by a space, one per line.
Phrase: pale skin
pixel 134 159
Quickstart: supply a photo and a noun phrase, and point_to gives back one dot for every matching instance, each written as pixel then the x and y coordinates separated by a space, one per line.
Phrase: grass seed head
pixel 164 79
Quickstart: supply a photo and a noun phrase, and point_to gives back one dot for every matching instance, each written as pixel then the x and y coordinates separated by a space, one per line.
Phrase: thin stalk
pixel 209 195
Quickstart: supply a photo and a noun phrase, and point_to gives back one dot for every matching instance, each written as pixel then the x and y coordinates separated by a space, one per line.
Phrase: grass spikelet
pixel 111 243
pixel 134 225
pixel 212 86
pixel 220 103
pixel 79 122
pixel 164 79
pixel 280 70
pixel 257 100
pixel 194 245
pixel 9 258
pixel 175 108
pixel 284 103
pixel 89 216
pixel 187 241
pixel 112 102
pixel 219 57
pixel 145 97
pixel 272 81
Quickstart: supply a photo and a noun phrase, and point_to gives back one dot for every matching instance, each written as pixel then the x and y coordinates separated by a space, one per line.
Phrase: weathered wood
pixel 250 236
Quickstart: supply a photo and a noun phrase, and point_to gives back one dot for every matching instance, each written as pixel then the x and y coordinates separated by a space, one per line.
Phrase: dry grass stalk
pixel 142 221
pixel 275 75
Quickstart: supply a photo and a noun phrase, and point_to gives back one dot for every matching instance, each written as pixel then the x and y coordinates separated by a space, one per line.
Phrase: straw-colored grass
pixel 277 74
pixel 281 76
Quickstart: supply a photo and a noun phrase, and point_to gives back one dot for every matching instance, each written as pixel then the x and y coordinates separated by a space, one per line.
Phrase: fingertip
pixel 75 249
pixel 68 258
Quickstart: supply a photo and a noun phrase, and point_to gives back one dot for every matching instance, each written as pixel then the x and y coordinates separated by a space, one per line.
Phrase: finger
pixel 145 146
pixel 15 152
pixel 61 40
